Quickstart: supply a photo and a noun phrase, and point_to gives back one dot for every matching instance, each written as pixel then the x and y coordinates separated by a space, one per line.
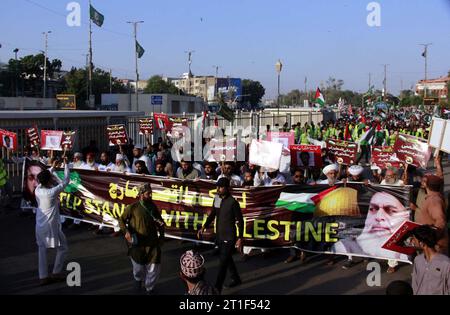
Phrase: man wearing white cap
pixel 121 164
pixel 355 172
pixel 139 156
pixel 331 172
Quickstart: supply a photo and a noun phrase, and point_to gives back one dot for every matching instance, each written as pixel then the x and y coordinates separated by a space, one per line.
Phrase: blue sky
pixel 317 39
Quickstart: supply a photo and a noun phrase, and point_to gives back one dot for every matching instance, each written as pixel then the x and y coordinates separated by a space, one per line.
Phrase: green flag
pixel 139 50
pixel 226 112
pixel 96 16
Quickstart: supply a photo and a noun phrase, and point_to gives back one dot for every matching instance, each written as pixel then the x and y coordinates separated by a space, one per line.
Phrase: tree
pixel 28 71
pixel 76 82
pixel 253 92
pixel 156 85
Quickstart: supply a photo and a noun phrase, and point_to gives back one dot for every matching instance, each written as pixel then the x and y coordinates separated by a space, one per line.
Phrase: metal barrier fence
pixel 95 129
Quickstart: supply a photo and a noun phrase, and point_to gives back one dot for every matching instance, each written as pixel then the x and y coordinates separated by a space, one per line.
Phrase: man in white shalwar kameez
pixel 48 223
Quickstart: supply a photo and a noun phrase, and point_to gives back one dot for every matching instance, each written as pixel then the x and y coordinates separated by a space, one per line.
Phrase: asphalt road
pixel 105 268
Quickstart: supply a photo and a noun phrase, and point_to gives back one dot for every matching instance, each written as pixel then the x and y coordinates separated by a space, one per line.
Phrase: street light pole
pixel 135 23
pixel 189 52
pixel 215 81
pixel 44 94
pixel 15 70
pixel 278 67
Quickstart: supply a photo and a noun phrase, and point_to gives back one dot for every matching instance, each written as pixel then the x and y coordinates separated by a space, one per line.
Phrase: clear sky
pixel 317 39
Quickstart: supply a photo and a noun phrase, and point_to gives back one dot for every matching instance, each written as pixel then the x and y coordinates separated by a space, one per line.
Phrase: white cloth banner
pixel 265 154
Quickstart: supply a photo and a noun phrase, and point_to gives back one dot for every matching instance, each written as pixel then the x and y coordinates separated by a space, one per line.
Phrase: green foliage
pixel 254 92
pixel 156 85
pixel 76 82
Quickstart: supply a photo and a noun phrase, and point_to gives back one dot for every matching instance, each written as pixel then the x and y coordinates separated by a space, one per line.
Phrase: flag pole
pixel 90 56
pixel 136 55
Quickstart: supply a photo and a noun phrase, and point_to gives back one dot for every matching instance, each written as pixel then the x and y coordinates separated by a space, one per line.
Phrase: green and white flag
pixel 139 50
pixel 226 112
pixel 96 16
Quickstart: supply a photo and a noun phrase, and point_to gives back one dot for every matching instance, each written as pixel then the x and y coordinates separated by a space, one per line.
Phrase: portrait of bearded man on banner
pixel 385 215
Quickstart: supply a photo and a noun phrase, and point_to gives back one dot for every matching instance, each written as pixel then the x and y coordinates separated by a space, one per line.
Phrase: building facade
pixel 436 88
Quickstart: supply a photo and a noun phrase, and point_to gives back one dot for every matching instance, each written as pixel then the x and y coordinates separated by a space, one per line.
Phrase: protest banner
pixel 161 121
pixel 344 151
pixel 221 150
pixel 436 132
pixel 312 156
pixel 319 218
pixel 178 127
pixel 68 140
pixel 382 156
pixel 412 150
pixel 33 137
pixel 285 138
pixel 265 153
pixel 117 135
pixel 8 140
pixel 145 126
pixel 51 140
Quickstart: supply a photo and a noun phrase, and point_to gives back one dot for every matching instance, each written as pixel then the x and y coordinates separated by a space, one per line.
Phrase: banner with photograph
pixel 161 121
pixel 334 220
pixel 8 140
pixel 306 155
pixel 117 135
pixel 412 150
pixel 383 157
pixel 51 140
pixel 344 151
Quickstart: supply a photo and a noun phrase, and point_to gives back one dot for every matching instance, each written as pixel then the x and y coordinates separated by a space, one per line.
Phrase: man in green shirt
pixel 141 222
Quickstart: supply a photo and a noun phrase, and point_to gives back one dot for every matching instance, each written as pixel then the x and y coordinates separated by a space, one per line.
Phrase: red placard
pixel 8 139
pixel 67 140
pixel 396 242
pixel 117 135
pixel 314 152
pixel 344 151
pixel 51 140
pixel 285 138
pixel 145 126
pixel 161 121
pixel 412 150
pixel 382 156
pixel 221 150
pixel 33 137
pixel 177 127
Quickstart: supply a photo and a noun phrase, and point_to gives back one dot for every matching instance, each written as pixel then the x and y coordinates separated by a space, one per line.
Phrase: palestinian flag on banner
pixel 96 16
pixel 302 202
pixel 319 99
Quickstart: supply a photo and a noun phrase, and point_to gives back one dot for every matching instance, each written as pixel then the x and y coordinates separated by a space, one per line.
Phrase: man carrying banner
pixel 227 214
pixel 48 223
pixel 141 222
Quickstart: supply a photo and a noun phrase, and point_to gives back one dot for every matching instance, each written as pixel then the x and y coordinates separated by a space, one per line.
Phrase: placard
pixel 33 137
pixel 51 140
pixel 314 155
pixel 8 140
pixel 344 151
pixel 436 133
pixel 412 150
pixel 117 135
pixel 445 146
pixel 145 126
pixel 265 153
pixel 68 140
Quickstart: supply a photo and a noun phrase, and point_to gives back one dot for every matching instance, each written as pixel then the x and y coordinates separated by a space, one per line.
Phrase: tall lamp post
pixel 15 69
pixel 135 23
pixel 278 67
pixel 44 94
